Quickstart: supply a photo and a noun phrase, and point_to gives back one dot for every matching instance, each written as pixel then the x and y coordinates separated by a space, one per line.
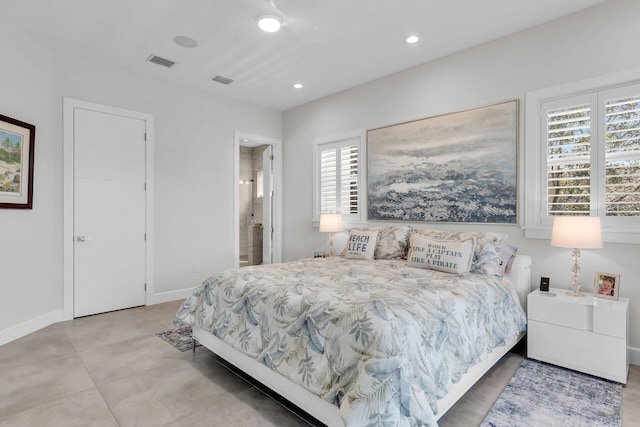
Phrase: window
pixel 338 176
pixel 583 158
pixel 622 155
pixel 568 156
pixel 339 179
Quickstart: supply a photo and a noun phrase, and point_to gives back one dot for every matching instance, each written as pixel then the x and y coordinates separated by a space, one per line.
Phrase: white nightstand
pixel 586 334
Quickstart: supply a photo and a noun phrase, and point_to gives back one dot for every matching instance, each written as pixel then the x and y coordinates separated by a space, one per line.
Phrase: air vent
pixel 161 61
pixel 223 80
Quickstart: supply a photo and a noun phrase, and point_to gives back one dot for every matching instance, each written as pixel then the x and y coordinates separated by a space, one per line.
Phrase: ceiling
pixel 328 46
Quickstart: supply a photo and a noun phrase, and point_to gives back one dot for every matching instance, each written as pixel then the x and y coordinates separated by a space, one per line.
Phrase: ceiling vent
pixel 223 80
pixel 161 61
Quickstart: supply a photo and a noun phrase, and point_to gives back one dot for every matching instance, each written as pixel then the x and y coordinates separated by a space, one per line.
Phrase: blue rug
pixel 544 395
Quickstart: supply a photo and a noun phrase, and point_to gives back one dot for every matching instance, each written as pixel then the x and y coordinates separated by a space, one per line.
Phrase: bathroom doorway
pixel 257 200
pixel 252 224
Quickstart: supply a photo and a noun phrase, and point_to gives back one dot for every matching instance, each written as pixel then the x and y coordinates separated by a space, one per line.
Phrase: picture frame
pixel 455 167
pixel 606 285
pixel 17 142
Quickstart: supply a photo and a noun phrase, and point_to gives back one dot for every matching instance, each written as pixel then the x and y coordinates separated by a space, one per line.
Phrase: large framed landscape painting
pixel 17 141
pixel 458 167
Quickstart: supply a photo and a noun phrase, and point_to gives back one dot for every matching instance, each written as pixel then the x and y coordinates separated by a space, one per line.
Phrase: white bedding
pixel 380 340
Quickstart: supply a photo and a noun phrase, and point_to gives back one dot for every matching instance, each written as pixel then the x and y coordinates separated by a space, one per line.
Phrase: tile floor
pixel 111 370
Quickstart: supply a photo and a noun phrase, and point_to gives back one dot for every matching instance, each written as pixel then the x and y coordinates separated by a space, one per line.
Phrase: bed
pixel 373 338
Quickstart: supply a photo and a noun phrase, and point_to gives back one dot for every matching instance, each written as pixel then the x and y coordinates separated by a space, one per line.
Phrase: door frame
pixel 239 139
pixel 69 107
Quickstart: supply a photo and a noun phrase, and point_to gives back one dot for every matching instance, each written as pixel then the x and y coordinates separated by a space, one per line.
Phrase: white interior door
pixel 267 205
pixel 109 212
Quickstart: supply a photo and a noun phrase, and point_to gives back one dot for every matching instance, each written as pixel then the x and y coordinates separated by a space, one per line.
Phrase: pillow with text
pixel 449 256
pixel 361 244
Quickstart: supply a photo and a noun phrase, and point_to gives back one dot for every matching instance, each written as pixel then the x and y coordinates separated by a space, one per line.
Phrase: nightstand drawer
pixel 560 311
pixel 599 355
pixel 610 317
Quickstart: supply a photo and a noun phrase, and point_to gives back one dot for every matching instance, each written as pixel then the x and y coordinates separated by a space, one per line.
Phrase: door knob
pixel 81 239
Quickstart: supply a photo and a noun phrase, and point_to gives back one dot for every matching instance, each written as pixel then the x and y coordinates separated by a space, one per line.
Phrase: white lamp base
pixel 575 294
pixel 575 274
pixel 331 244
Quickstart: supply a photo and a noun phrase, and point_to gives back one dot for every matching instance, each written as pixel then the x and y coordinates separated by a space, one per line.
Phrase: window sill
pixel 347 224
pixel 609 236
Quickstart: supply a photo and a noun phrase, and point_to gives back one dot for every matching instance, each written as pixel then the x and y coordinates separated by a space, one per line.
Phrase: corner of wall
pixel 634 355
pixel 25 328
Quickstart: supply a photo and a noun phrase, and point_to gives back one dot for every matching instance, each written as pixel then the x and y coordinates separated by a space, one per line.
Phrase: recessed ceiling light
pixel 269 22
pixel 412 39
pixel 185 41
pixel 298 85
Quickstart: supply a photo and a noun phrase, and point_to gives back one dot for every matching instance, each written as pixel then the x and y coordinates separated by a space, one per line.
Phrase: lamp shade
pixel 581 232
pixel 331 223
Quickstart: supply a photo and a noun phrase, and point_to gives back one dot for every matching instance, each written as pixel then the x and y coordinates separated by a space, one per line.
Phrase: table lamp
pixel 331 223
pixel 577 232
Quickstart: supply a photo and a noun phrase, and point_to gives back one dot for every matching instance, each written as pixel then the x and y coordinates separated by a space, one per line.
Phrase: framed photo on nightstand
pixel 606 285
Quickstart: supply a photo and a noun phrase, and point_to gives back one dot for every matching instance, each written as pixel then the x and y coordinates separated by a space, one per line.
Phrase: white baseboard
pixel 169 296
pixel 634 355
pixel 25 328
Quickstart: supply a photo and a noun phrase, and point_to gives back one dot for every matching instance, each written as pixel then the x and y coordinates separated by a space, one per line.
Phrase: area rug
pixel 545 395
pixel 179 337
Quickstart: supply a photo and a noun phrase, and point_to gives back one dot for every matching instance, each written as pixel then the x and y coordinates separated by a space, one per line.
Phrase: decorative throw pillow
pixel 507 255
pixel 486 257
pixel 450 256
pixel 392 242
pixel 361 244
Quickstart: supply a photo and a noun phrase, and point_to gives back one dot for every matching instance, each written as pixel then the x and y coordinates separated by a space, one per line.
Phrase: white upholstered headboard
pixel 520 276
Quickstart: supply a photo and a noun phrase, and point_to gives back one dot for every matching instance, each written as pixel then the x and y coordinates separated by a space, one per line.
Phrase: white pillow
pixel 392 242
pixel 486 258
pixel 450 256
pixel 361 244
pixel 507 255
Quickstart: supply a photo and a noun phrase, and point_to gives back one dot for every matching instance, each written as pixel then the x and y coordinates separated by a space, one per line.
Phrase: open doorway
pixel 251 198
pixel 257 213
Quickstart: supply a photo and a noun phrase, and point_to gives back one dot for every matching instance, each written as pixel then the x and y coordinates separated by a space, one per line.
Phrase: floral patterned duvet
pixel 380 340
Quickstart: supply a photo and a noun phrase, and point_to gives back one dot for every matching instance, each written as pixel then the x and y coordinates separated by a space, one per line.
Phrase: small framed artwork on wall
pixel 17 141
pixel 606 285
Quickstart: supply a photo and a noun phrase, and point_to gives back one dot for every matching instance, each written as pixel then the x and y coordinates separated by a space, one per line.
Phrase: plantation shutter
pixel 622 156
pixel 349 180
pixel 328 181
pixel 339 179
pixel 568 153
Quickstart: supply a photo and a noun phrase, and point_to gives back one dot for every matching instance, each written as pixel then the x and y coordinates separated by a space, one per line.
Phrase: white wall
pixel 194 149
pixel 193 172
pixel 594 42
